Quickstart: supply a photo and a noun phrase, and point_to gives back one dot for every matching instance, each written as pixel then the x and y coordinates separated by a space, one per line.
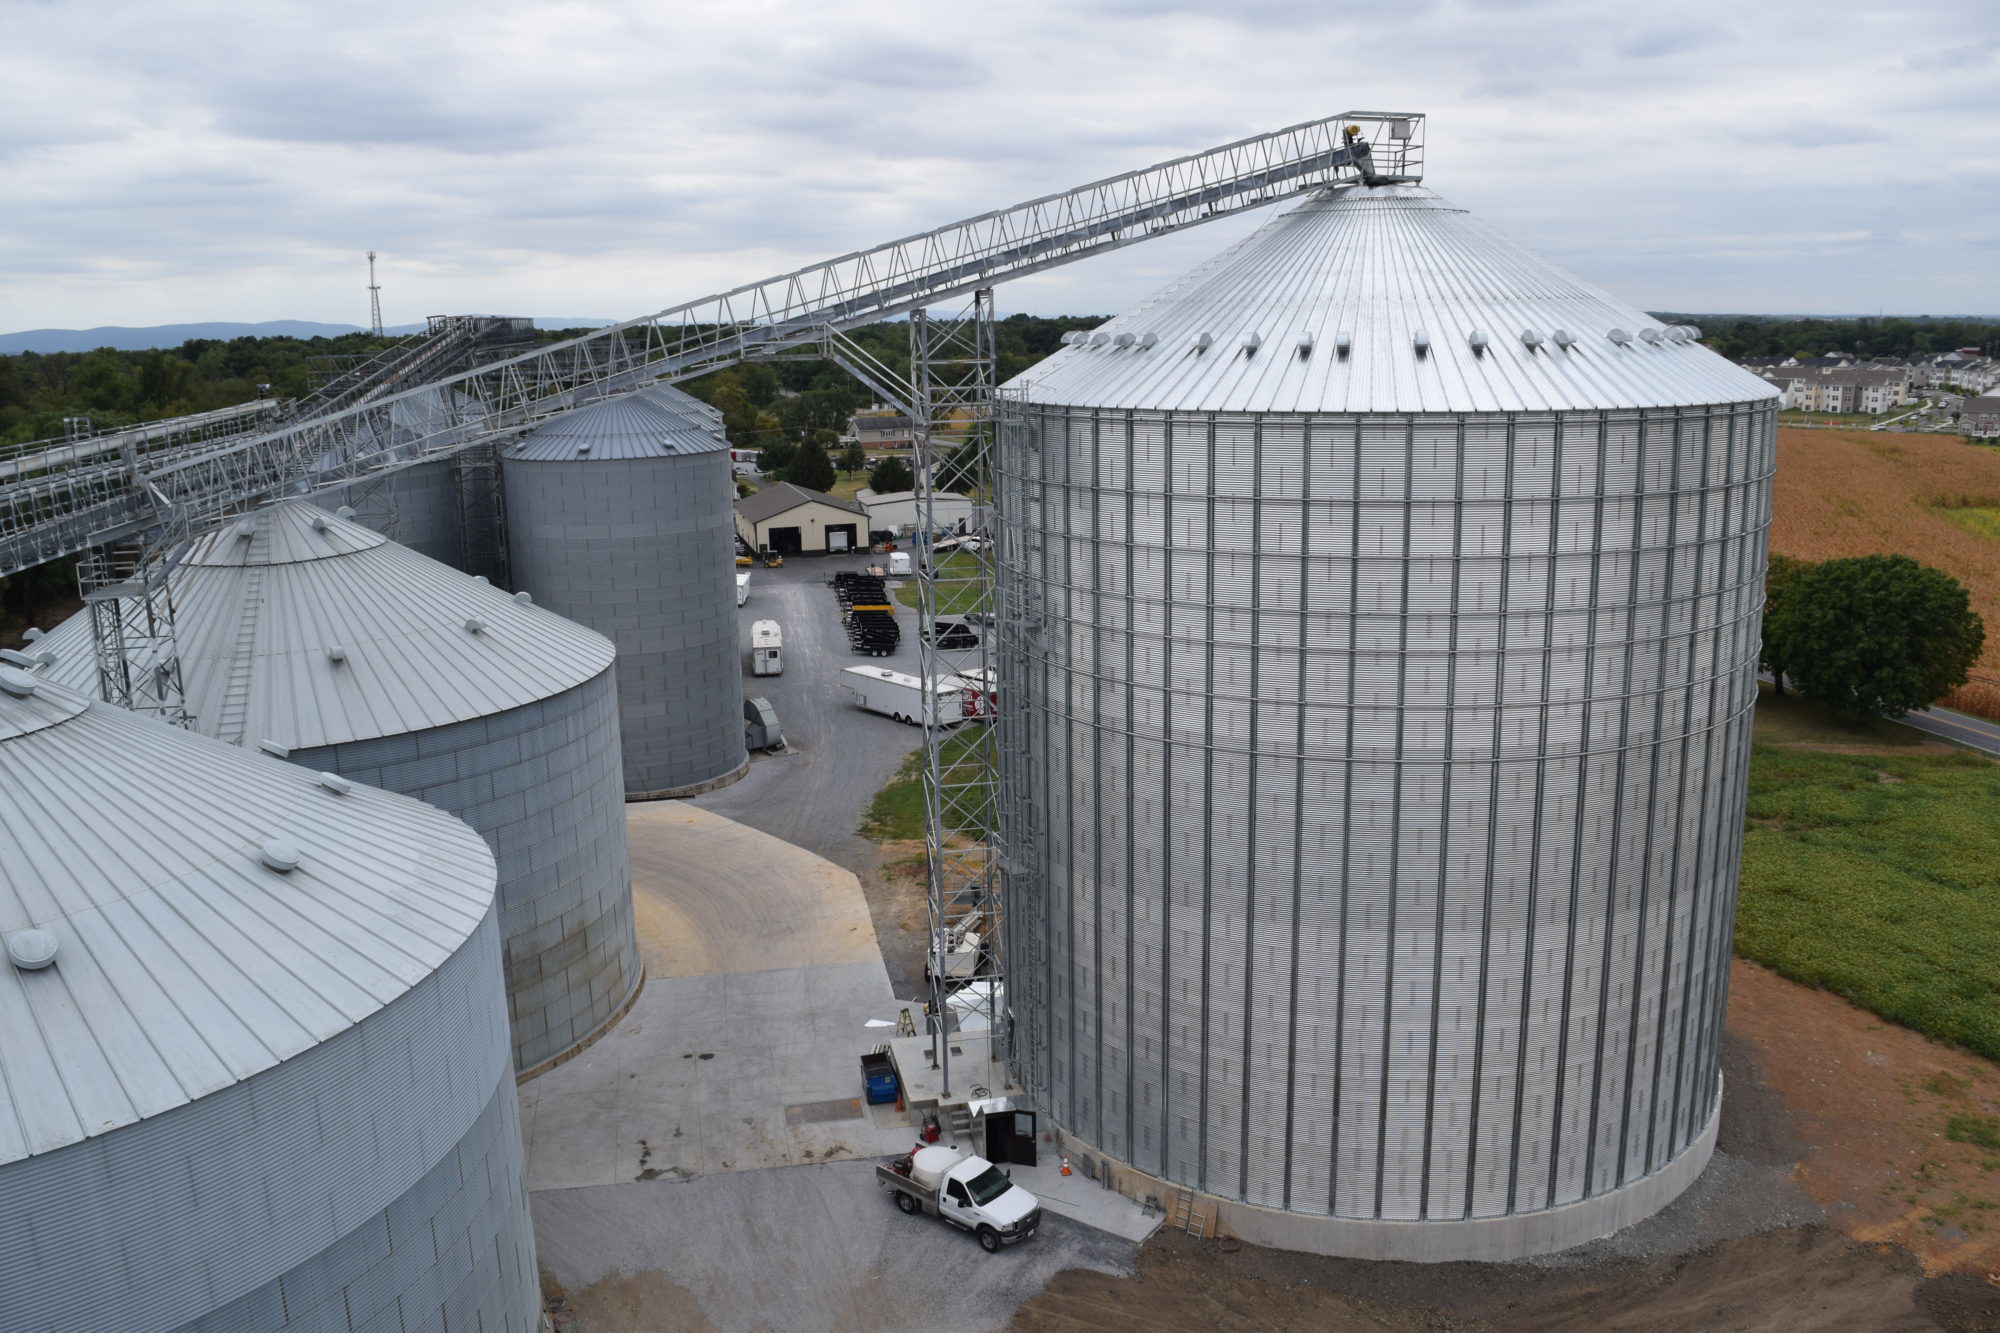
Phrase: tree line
pixel 1737 336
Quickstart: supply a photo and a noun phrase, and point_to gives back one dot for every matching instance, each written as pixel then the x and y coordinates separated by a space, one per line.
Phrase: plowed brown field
pixel 1841 493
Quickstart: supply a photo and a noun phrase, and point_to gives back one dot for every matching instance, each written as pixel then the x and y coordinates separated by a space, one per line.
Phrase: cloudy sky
pixel 205 159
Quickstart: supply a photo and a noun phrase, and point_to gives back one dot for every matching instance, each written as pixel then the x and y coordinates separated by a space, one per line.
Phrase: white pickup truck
pixel 969 1192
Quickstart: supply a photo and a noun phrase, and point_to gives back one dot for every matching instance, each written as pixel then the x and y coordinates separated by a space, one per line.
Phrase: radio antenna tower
pixel 374 298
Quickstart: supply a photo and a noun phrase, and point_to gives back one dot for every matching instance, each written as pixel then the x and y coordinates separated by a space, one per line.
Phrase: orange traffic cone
pixel 1065 1162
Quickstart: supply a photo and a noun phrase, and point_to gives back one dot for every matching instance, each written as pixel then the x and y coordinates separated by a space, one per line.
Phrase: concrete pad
pixel 811 1250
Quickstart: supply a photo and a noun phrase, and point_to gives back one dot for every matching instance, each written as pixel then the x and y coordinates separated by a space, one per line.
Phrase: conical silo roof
pixel 1438 313
pixel 653 423
pixel 186 957
pixel 296 626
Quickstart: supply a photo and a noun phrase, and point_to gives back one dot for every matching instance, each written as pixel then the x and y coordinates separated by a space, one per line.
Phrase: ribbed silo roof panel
pixel 310 630
pixel 653 423
pixel 1383 268
pixel 184 963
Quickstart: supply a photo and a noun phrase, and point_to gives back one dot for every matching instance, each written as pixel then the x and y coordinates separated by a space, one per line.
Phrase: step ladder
pixel 1190 1215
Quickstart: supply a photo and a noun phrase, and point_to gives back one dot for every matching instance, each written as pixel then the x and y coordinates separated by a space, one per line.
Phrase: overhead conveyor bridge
pixel 49 508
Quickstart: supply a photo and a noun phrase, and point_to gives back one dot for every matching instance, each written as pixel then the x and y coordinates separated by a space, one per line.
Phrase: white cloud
pixel 229 160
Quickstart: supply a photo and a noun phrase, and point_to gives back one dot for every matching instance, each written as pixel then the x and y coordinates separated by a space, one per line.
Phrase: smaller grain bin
pixel 307 633
pixel 256 1070
pixel 422 506
pixel 618 516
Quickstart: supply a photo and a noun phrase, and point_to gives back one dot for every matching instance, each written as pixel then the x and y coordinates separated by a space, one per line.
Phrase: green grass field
pixel 1982 519
pixel 1875 875
pixel 897 812
pixel 954 598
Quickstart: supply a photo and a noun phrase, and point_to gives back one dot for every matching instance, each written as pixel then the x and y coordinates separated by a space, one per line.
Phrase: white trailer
pixel 743 587
pixel 899 564
pixel 893 694
pixel 766 649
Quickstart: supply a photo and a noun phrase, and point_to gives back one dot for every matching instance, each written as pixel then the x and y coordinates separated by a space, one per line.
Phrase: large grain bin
pixel 1380 626
pixel 618 516
pixel 254 1047
pixel 320 637
pixel 421 506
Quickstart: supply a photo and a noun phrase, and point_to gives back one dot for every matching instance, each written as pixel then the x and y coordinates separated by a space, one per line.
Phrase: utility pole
pixel 374 298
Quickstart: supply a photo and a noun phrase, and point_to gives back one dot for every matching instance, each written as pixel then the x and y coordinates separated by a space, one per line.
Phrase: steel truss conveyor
pixel 53 511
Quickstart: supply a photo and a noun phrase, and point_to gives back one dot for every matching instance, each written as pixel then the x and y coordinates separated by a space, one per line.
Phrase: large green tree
pixel 1777 577
pixel 1873 635
pixel 891 474
pixel 811 468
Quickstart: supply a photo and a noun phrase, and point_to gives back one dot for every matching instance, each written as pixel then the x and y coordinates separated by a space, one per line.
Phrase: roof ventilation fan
pixel 280 855
pixel 1563 338
pixel 1343 343
pixel 31 950
pixel 1421 341
pixel 1477 342
pixel 1619 336
pixel 1530 339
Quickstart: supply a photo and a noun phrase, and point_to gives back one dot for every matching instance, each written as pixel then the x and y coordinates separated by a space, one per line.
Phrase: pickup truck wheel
pixel 989 1240
pixel 906 1202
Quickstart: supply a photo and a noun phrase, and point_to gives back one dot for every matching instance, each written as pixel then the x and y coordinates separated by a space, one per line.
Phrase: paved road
pixel 1974 733
pixel 816 795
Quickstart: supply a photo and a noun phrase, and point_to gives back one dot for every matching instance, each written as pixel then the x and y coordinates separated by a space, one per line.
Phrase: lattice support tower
pixel 952 376
pixel 128 588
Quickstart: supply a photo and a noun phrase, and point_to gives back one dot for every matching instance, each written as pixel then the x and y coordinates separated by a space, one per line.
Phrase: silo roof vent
pixel 1204 341
pixel 473 624
pixel 16 682
pixel 1125 339
pixel 33 634
pixel 1421 341
pixel 524 598
pixel 1476 340
pixel 335 783
pixel 1650 335
pixel 1099 339
pixel 1620 336
pixel 1147 340
pixel 1073 336
pixel 32 950
pixel 1563 338
pixel 319 523
pixel 12 658
pixel 246 529
pixel 279 855
pixel 1251 342
pixel 1343 342
pixel 275 750
pixel 1530 339
pixel 345 511
pixel 1306 344
pixel 336 654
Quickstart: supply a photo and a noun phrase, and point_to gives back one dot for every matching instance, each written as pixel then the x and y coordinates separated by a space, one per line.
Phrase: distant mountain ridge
pixel 125 339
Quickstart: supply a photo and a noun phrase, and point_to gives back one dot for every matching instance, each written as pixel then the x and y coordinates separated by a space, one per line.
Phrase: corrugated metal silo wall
pixel 542 784
pixel 641 550
pixel 416 507
pixel 373 1177
pixel 1382 794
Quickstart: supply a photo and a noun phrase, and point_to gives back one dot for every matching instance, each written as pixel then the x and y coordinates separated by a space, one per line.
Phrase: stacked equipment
pixel 868 613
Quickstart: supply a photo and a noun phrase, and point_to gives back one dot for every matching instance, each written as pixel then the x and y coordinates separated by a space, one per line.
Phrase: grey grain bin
pixel 618 516
pixel 325 639
pixel 1380 634
pixel 255 1047
pixel 423 506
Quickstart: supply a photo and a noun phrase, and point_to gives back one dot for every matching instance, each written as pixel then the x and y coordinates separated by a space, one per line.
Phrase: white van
pixel 766 649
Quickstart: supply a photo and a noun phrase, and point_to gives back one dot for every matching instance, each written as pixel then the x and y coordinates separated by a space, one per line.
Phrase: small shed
pixel 792 520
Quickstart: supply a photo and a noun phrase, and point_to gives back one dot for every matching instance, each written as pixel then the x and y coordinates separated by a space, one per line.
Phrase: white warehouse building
pixel 256 1065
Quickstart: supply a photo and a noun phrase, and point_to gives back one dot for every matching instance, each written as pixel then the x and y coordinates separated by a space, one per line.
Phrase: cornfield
pixel 1841 493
